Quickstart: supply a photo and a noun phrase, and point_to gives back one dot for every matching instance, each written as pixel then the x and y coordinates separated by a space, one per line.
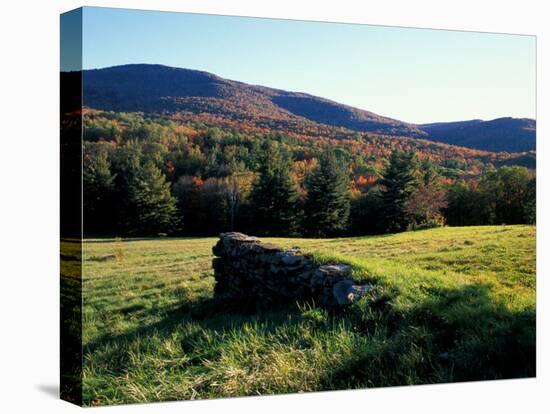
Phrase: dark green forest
pixel 153 176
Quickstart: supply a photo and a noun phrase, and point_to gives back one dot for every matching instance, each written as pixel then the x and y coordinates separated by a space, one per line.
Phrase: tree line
pixel 127 191
pixel 150 177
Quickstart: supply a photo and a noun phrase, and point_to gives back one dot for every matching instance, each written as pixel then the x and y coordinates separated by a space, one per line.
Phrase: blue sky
pixel 415 75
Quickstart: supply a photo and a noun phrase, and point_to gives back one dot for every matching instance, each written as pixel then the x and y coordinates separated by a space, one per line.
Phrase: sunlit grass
pixel 449 304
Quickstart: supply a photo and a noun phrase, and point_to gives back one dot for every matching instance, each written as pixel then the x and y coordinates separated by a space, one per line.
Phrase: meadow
pixel 448 304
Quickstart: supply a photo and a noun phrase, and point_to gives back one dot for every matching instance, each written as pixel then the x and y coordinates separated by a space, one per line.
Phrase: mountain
pixel 157 88
pixel 502 134
pixel 186 94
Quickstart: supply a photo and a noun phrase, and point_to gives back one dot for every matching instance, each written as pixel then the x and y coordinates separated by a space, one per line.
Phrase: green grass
pixel 449 304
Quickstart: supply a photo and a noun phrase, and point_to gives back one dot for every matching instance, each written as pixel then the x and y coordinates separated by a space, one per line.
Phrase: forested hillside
pixel 191 95
pixel 158 89
pixel 149 175
pixel 183 152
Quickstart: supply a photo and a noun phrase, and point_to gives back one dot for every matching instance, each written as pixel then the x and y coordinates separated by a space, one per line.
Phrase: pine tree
pixel 274 195
pixel 154 204
pixel 328 198
pixel 398 183
pixel 98 187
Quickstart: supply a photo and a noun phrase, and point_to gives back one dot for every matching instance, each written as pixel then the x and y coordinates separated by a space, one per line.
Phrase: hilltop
pixel 501 134
pixel 157 88
pixel 197 96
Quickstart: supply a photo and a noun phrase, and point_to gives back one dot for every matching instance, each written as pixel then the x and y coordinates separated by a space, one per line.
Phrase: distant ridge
pixel 162 89
pixel 501 134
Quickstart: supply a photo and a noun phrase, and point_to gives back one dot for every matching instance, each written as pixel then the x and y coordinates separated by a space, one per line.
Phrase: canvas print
pixel 255 206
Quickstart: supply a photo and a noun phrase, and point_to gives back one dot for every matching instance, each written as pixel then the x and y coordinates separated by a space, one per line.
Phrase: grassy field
pixel 449 304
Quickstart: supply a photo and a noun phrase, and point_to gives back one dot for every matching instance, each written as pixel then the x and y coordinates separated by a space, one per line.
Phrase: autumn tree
pixel 425 205
pixel 237 189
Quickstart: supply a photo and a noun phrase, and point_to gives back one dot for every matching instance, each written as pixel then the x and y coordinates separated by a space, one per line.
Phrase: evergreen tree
pixel 274 195
pixel 98 187
pixel 125 163
pixel 398 183
pixel 367 214
pixel 154 204
pixel 328 198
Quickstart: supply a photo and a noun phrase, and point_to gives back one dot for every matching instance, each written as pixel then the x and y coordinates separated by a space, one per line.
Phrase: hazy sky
pixel 415 75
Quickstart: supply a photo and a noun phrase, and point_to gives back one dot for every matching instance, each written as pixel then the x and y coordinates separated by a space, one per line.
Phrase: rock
pixel 356 291
pixel 217 264
pixel 341 270
pixel 232 237
pixel 292 259
pixel 218 249
pixel 345 291
pixel 270 248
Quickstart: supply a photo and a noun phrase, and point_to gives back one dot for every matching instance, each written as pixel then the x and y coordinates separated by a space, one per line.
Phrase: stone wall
pixel 249 270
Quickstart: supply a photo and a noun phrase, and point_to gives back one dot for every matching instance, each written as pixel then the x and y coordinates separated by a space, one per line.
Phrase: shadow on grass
pixel 484 339
pixel 455 335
